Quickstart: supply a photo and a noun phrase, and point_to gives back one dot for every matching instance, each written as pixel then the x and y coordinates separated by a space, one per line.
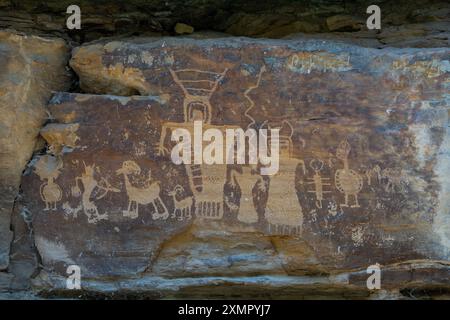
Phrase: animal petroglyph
pixel 348 181
pixel 90 185
pixel 206 182
pixel 318 181
pixel 141 196
pixel 48 169
pixel 183 206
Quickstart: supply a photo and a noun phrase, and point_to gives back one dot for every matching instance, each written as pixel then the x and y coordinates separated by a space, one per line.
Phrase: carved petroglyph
pixel 250 100
pixel 198 87
pixel 208 193
pixel 333 208
pixel 91 185
pixel 71 212
pixel 48 169
pixel 141 196
pixel 419 69
pixel 283 210
pixel 305 62
pixel 51 193
pixel 395 180
pixel 348 181
pixel 358 236
pixel 371 173
pixel 318 181
pixel 285 143
pixel 206 181
pixel 290 224
pixel 183 206
pixel 247 180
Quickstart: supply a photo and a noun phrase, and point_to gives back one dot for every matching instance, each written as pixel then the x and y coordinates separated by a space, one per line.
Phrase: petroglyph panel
pixel 359 146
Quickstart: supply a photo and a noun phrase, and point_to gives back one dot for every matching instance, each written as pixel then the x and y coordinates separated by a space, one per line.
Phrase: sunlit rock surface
pixel 30 68
pixel 364 154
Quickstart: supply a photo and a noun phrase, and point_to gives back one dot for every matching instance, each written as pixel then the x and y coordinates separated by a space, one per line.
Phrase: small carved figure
pixel 318 181
pixel 375 171
pixel 183 206
pixel 348 181
pixel 89 184
pixel 48 168
pixel 51 193
pixel 395 179
pixel 143 196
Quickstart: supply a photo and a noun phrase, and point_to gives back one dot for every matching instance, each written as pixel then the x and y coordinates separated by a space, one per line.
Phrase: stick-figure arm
pixel 161 148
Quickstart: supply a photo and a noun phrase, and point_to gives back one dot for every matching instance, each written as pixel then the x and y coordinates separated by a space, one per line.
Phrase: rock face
pixel 406 23
pixel 363 155
pixel 30 68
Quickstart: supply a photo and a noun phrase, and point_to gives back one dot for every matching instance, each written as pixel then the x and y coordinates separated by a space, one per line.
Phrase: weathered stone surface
pixel 344 22
pixel 362 176
pixel 24 260
pixel 5 281
pixel 30 68
pixel 272 19
pixel 417 35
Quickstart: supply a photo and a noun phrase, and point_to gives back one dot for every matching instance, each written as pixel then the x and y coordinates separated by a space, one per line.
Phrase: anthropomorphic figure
pixel 48 169
pixel 247 179
pixel 206 181
pixel 90 185
pixel 283 210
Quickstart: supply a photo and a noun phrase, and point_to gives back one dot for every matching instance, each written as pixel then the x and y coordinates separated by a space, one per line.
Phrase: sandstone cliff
pixel 87 178
pixel 31 68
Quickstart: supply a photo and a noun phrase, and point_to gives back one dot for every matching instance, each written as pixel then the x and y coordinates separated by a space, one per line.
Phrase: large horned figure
pixel 206 181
